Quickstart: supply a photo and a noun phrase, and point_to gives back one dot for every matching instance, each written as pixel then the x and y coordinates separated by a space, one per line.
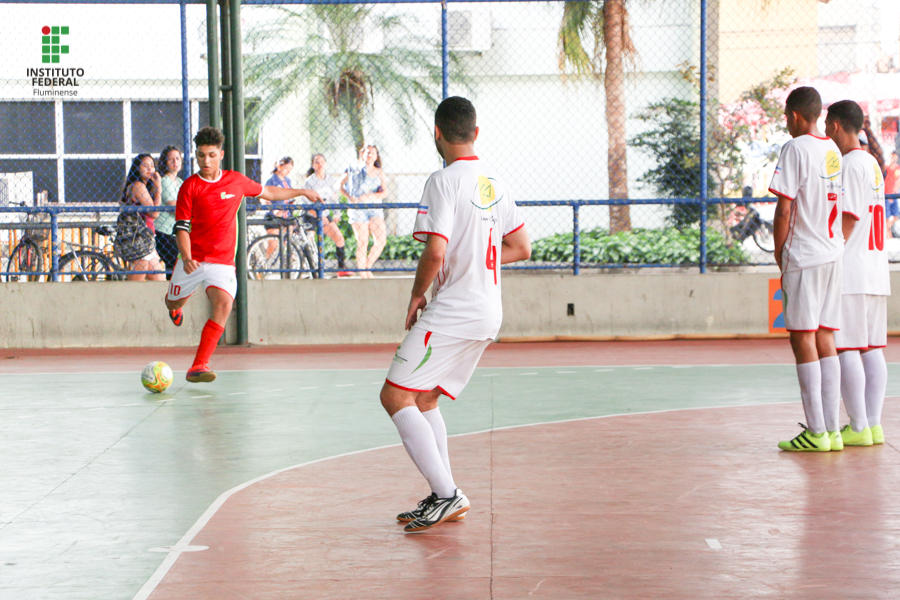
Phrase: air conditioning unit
pixel 17 189
pixel 468 30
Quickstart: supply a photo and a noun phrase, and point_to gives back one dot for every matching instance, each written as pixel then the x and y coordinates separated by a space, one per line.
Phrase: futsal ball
pixel 156 377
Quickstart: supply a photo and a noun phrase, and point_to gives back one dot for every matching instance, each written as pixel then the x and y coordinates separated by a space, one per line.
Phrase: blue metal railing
pixel 53 223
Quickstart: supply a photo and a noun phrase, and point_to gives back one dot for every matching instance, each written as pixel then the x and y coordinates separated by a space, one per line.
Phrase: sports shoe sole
pixel 204 377
pixel 461 517
pixel 447 518
pixel 177 321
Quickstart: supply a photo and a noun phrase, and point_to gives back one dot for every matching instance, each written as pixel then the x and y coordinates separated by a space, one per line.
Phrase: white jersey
pixel 809 174
pixel 469 206
pixel 865 259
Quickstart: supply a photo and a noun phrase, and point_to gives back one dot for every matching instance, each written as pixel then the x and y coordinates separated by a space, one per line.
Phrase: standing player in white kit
pixel 809 244
pixel 470 226
pixel 866 284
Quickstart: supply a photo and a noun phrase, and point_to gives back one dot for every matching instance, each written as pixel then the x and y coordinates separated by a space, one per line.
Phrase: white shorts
pixel 208 274
pixel 812 297
pixel 426 360
pixel 863 322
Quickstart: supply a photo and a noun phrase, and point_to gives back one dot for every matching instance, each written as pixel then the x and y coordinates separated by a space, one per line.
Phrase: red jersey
pixel 891 179
pixel 211 208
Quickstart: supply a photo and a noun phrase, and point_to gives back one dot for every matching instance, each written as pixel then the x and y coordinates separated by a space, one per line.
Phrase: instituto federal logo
pixel 51 48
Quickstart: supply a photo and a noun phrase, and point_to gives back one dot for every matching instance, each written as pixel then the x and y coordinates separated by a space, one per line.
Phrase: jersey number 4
pixel 876 232
pixel 491 260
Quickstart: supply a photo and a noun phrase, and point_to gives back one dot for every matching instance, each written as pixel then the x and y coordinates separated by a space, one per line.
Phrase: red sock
pixel 212 331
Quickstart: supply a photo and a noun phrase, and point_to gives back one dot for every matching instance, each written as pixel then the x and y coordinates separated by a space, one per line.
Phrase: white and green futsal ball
pixel 156 377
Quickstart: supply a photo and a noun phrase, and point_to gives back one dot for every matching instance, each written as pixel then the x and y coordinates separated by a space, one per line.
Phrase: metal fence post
pixel 576 238
pixel 704 158
pixel 54 245
pixel 212 59
pixel 445 52
pixel 185 99
pixel 320 241
pixel 237 123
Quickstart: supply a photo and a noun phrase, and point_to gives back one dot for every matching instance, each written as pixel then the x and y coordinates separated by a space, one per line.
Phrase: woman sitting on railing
pixel 366 186
pixel 135 240
pixel 170 162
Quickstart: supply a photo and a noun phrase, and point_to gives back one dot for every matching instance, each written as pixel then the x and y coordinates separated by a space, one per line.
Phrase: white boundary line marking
pixel 184 544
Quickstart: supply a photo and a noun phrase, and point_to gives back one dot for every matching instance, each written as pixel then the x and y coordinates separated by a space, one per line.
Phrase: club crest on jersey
pixel 879 179
pixel 832 165
pixel 226 195
pixel 485 196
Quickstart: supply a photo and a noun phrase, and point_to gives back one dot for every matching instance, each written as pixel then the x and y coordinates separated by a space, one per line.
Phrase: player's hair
pixel 163 164
pixel 806 102
pixel 134 175
pixel 312 160
pixel 456 119
pixel 377 162
pixel 287 160
pixel 849 114
pixel 209 136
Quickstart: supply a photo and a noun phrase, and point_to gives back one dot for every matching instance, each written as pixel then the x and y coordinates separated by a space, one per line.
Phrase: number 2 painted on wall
pixel 491 260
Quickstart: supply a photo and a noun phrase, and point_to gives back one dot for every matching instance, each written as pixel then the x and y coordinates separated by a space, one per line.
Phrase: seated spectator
pixel 170 162
pixel 366 186
pixel 319 180
pixel 135 240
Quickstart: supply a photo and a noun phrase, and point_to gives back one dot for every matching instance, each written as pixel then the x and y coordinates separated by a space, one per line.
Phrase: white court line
pixel 713 543
pixel 238 394
pixel 527 373
pixel 345 385
pixel 566 372
pixel 207 396
pixel 185 542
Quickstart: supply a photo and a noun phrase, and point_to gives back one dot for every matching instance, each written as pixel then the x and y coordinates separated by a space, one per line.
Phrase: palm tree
pixel 605 24
pixel 325 55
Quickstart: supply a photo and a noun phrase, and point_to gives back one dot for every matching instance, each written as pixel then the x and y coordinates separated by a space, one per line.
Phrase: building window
pixel 155 125
pixel 94 180
pixel 28 128
pixel 93 128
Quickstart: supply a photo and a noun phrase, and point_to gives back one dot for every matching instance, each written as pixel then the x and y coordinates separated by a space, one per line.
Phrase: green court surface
pixel 98 477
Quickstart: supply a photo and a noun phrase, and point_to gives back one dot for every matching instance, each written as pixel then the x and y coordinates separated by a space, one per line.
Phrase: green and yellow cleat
pixel 877 434
pixel 837 443
pixel 807 442
pixel 856 438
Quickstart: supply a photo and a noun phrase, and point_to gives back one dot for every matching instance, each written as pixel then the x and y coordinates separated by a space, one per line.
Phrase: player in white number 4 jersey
pixel 470 226
pixel 866 283
pixel 808 248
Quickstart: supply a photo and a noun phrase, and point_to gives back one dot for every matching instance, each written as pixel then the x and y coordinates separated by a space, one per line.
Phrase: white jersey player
pixel 866 283
pixel 470 226
pixel 808 249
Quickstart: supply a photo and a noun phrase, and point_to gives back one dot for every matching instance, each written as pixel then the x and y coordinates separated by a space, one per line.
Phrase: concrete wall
pixel 355 311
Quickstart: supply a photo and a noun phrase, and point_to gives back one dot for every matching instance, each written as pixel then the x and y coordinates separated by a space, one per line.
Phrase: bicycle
pixel 26 260
pixel 85 262
pixel 288 254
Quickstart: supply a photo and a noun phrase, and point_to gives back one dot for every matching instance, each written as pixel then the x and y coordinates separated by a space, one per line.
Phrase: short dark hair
pixel 849 114
pixel 456 119
pixel 209 136
pixel 806 102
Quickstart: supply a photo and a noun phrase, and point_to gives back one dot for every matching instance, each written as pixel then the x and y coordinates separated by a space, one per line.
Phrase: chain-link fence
pixel 591 110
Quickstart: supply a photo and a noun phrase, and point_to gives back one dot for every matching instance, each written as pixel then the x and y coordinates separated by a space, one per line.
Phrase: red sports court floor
pixel 595 470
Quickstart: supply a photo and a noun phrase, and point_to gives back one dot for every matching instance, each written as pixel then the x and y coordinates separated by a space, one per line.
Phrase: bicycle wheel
pixel 268 257
pixel 86 266
pixel 764 236
pixel 25 258
pixel 308 257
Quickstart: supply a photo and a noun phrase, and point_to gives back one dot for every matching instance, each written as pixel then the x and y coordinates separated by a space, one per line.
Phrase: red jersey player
pixel 206 234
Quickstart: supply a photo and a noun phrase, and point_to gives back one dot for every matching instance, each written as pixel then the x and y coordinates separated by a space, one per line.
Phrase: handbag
pixel 134 240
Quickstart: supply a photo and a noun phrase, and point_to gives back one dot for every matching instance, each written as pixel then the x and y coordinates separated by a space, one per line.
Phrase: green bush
pixel 638 246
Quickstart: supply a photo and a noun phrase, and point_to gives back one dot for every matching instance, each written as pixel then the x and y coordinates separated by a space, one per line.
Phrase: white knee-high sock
pixel 853 389
pixel 436 421
pixel 876 384
pixel 418 439
pixel 831 392
pixel 810 377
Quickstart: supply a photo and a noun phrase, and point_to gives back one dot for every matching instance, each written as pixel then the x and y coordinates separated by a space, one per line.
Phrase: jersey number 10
pixel 876 233
pixel 491 260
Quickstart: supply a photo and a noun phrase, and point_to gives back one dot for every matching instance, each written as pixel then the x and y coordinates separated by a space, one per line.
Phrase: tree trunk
pixel 614 84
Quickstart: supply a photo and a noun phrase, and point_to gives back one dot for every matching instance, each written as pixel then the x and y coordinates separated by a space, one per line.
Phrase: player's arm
pixel 280 194
pixel 183 212
pixel 516 246
pixel 781 225
pixel 379 195
pixel 848 220
pixel 344 181
pixel 430 263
